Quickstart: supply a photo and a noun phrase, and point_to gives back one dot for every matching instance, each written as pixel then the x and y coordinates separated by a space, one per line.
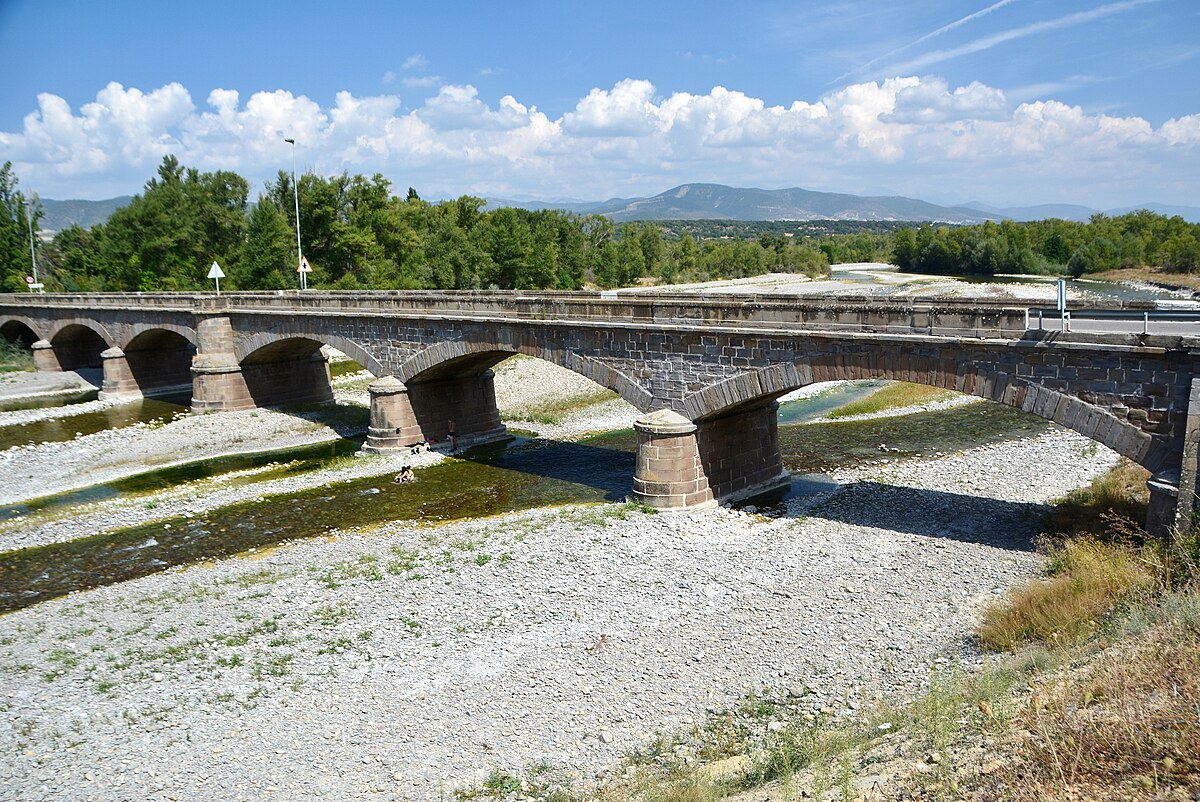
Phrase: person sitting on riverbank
pixel 406 476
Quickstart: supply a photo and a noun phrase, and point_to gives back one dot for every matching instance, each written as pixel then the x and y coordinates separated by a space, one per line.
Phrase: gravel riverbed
pixel 410 660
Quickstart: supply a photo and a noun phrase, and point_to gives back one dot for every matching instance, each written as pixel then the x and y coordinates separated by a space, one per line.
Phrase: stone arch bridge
pixel 706 372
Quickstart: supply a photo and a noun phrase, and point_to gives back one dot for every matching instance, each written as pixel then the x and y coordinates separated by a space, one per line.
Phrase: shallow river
pixel 486 481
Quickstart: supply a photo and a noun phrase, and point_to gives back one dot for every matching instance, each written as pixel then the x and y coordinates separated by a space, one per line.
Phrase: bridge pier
pixel 119 381
pixel 669 472
pixel 217 380
pixel 740 453
pixel 1188 504
pixel 393 425
pixel 402 415
pixel 44 359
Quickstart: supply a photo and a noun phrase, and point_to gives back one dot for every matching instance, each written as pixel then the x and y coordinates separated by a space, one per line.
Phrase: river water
pixel 486 481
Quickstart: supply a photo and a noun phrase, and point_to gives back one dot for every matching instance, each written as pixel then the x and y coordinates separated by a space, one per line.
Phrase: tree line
pixel 356 234
pixel 1053 246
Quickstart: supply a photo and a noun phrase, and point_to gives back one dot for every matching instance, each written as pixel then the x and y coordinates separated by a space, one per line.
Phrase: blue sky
pixel 1008 101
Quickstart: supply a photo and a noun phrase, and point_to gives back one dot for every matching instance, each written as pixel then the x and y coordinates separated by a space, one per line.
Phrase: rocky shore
pixel 408 661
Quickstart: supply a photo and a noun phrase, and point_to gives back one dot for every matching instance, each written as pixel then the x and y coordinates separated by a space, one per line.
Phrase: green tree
pixel 14 232
pixel 268 259
pixel 166 238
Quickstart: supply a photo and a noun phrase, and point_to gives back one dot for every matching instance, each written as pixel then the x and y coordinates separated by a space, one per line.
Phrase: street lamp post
pixel 32 254
pixel 296 196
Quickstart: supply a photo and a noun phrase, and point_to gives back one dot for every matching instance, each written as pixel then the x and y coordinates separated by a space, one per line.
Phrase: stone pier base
pixel 219 388
pixel 402 415
pixel 44 358
pixel 669 473
pixel 118 378
pixel 1164 506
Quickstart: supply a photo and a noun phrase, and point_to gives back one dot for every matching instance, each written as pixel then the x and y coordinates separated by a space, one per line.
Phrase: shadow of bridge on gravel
pixel 1004 524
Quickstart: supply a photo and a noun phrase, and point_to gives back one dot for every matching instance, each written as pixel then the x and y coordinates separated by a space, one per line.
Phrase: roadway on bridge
pixel 1182 328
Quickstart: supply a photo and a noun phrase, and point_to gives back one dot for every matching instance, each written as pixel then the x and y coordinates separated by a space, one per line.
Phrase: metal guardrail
pixel 1144 315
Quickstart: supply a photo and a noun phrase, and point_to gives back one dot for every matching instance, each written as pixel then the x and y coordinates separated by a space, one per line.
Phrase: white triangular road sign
pixel 215 271
pixel 304 265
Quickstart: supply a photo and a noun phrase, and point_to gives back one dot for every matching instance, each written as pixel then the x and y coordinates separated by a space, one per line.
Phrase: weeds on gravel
pixel 14 358
pixel 536 783
pixel 329 615
pixel 554 412
pixel 892 396
pixel 365 567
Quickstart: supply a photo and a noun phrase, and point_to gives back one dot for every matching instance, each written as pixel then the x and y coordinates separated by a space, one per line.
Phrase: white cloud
pixel 627 110
pixel 918 136
pixel 931 101
pixel 415 62
pixel 422 81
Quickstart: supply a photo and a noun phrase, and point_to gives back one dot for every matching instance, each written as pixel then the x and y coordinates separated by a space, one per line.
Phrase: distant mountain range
pixel 61 214
pixel 719 202
pixel 1067 211
pixel 716 201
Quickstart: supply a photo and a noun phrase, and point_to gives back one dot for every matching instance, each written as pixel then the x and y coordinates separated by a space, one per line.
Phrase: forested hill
pixel 61 214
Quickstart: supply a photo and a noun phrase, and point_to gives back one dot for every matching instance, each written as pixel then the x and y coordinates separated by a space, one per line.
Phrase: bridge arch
pixel 159 358
pixel 20 330
pixel 287 370
pixel 462 357
pixel 255 344
pixel 765 385
pixel 79 343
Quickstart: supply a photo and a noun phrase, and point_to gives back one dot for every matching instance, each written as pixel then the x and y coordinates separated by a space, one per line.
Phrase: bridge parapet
pixel 947 317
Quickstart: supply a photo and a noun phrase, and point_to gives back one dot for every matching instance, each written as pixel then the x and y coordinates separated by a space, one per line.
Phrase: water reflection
pixel 57 430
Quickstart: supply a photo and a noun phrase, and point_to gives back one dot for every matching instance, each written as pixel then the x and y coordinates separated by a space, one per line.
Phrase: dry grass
pixel 14 358
pixel 896 395
pixel 1088 577
pixel 1126 727
pixel 1110 505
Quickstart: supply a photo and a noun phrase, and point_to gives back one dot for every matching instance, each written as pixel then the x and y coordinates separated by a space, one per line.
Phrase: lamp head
pixel 290 141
